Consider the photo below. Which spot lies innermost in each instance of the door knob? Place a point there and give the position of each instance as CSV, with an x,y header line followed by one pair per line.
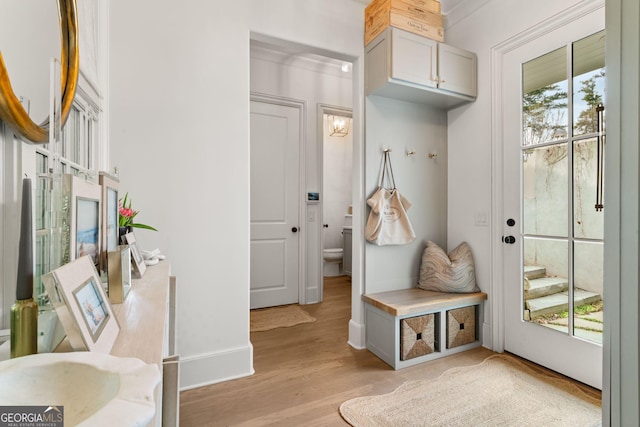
x,y
294,229
510,240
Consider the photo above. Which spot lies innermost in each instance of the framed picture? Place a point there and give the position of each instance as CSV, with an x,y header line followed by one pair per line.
x,y
109,187
83,308
87,228
137,260
119,274
83,219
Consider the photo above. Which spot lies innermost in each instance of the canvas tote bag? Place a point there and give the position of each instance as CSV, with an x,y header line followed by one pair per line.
x,y
388,223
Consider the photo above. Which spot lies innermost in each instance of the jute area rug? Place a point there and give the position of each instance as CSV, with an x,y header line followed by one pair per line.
x,y
278,317
501,391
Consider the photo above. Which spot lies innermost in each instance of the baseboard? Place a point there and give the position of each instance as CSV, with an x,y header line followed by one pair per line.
x,y
357,338
487,336
212,368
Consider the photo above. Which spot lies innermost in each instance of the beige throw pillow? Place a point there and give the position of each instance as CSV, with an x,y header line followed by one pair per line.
x,y
448,273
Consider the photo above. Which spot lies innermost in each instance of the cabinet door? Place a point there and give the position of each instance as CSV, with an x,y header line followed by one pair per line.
x,y
413,58
457,70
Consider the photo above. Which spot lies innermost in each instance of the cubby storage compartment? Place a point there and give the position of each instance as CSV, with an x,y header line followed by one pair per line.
x,y
418,336
461,326
411,326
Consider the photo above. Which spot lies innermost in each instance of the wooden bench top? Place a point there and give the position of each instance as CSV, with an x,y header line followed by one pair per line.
x,y
416,300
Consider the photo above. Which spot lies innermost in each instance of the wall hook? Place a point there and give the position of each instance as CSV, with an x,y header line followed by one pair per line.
x,y
411,153
433,155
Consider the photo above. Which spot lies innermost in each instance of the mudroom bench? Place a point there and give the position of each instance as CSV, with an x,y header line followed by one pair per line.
x,y
410,326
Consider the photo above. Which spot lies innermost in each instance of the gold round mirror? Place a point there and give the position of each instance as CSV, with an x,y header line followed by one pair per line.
x,y
13,113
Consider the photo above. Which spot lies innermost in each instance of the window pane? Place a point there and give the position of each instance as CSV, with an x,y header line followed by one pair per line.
x,y
42,163
545,192
588,82
544,107
588,290
588,223
546,296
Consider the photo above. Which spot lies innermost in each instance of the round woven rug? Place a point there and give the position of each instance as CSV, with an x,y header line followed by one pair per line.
x,y
501,391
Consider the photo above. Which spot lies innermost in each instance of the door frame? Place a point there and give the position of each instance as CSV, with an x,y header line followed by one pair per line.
x,y
302,109
323,109
498,53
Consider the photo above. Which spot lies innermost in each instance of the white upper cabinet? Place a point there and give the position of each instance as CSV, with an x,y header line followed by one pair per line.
x,y
407,66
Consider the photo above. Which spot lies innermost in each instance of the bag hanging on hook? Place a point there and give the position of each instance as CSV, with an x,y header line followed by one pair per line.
x,y
388,222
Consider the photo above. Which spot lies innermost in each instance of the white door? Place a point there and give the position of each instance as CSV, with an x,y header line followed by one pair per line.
x,y
275,193
552,232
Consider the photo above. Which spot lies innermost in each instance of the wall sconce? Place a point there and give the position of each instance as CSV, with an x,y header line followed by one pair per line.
x,y
338,125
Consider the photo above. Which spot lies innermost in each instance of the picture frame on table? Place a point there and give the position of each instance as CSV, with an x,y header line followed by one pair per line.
x,y
83,203
137,260
109,186
119,274
82,306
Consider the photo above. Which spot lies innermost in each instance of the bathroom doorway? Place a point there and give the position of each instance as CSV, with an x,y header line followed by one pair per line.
x,y
337,186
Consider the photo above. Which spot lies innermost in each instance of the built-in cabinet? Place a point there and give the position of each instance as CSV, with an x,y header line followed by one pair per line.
x,y
406,66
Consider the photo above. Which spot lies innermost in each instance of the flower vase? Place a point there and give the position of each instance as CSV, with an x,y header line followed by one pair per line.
x,y
121,232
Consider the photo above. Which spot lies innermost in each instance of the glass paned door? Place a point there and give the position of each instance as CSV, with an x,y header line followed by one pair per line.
x,y
562,227
552,135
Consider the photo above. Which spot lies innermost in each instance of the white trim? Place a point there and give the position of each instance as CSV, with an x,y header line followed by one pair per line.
x,y
497,141
357,336
357,324
212,368
555,22
5,266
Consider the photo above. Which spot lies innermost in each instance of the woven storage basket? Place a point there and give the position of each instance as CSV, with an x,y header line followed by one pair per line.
x,y
461,326
417,336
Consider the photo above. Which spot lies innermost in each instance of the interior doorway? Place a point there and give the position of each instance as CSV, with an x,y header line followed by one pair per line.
x,y
336,164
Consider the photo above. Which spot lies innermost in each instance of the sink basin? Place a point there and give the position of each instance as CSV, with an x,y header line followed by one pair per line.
x,y
95,389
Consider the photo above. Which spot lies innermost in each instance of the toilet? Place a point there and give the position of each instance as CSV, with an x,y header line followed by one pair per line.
x,y
332,260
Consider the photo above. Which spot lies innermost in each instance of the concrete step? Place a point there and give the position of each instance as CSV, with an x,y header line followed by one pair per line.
x,y
536,288
534,271
557,303
580,322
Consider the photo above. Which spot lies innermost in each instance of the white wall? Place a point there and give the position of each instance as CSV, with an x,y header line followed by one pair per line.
x,y
179,88
403,126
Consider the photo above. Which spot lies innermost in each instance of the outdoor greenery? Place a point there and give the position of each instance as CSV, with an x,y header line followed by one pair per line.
x,y
545,111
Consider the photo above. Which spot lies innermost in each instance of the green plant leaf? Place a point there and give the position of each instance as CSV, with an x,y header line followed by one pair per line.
x,y
143,226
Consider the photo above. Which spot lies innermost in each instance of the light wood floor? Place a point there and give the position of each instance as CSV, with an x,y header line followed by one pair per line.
x,y
305,372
